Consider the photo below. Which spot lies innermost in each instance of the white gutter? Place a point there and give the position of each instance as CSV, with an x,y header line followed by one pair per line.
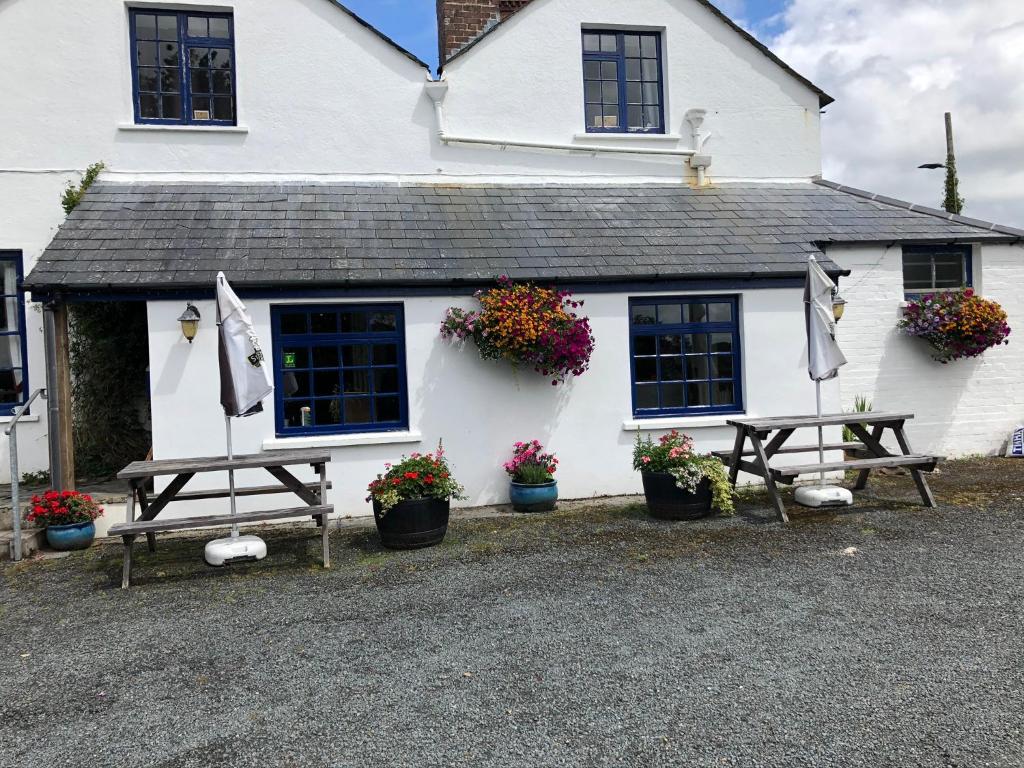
x,y
438,89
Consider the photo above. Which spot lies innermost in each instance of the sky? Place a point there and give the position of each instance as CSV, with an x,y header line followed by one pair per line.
x,y
894,67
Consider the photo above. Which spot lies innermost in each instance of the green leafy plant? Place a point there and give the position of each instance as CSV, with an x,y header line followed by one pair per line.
x,y
861,404
673,453
41,477
74,193
418,476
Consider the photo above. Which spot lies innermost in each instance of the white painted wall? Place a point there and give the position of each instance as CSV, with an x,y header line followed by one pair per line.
x,y
480,408
962,408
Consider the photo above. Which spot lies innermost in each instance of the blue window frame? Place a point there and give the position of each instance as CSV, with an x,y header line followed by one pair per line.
x,y
931,268
183,67
622,82
339,368
13,353
685,355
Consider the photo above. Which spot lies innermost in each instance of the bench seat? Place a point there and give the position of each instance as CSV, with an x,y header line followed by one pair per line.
x,y
853,446
920,462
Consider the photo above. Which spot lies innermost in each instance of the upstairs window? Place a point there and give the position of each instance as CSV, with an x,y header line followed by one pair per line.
x,y
622,81
183,67
339,368
927,269
13,375
685,356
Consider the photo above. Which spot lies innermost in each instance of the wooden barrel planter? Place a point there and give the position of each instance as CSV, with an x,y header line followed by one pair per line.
x,y
667,501
413,523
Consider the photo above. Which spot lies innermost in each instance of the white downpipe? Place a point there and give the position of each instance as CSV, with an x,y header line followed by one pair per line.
x,y
438,89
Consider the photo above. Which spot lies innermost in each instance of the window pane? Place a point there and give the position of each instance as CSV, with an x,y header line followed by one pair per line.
x,y
592,70
669,314
672,396
611,117
634,93
647,369
647,396
670,345
149,108
169,54
721,366
10,352
632,44
724,393
355,354
721,342
720,313
353,322
9,278
388,409
167,27
385,380
9,315
328,412
145,26
696,368
223,108
917,271
651,93
383,321
220,28
326,383
221,82
357,382
146,53
649,46
148,79
652,117
325,357
696,343
671,369
650,70
295,414
200,81
609,70
199,57
295,384
323,322
293,323
220,58
632,69
610,93
385,354
592,91
591,42
697,395
358,410
645,345
172,107
696,313
949,271
644,315
609,44
636,117
11,389
198,27
595,116
170,80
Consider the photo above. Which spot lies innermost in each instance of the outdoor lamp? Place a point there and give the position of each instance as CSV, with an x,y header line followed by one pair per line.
x,y
190,322
838,307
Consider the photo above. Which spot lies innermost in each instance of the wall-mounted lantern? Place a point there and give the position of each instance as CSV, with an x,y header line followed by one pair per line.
x,y
838,306
190,322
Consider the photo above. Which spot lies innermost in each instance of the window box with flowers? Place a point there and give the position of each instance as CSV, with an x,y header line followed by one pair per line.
x,y
533,487
957,324
679,483
412,500
68,517
526,325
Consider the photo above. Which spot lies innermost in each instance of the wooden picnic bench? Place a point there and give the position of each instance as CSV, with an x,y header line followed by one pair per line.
x,y
764,446
140,473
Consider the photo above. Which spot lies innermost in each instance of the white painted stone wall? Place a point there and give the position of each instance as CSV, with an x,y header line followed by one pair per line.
x,y
480,408
962,408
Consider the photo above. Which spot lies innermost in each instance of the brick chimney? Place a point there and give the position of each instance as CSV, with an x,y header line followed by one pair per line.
x,y
460,22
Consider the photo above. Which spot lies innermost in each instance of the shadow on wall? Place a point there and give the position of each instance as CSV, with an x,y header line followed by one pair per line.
x,y
484,406
910,380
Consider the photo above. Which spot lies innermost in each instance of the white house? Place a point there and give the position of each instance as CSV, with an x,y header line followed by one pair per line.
x,y
650,156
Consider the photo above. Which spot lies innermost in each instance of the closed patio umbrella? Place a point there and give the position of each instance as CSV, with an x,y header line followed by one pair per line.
x,y
824,359
244,382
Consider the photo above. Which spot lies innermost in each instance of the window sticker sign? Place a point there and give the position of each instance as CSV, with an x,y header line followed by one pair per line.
x,y
289,359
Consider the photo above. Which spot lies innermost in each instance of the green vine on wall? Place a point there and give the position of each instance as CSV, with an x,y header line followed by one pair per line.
x,y
73,194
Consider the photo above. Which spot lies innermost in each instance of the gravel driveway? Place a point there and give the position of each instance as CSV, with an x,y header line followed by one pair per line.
x,y
591,637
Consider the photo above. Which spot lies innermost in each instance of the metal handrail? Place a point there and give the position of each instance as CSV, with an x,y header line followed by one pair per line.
x,y
12,432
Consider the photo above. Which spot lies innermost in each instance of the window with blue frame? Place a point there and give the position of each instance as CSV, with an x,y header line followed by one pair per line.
x,y
685,356
183,67
13,371
930,268
622,82
339,368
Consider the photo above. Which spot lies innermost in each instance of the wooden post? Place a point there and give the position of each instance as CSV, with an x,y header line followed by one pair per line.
x,y
950,152
58,390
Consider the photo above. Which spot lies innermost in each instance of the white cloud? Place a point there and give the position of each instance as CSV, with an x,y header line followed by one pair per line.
x,y
894,67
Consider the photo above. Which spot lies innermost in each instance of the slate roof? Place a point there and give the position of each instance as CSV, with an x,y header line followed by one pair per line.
x,y
135,236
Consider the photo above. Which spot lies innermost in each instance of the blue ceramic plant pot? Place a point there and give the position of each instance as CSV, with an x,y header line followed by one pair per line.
x,y
64,538
533,498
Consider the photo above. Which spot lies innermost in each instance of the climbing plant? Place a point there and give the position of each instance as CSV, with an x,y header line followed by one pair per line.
x,y
74,193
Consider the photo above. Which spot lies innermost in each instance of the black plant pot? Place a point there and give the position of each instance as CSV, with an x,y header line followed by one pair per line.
x,y
413,523
667,501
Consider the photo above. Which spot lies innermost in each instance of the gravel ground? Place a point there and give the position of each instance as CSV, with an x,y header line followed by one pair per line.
x,y
591,637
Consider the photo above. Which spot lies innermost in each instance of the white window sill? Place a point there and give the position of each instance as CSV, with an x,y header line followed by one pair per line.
x,y
23,420
148,127
628,137
680,422
341,441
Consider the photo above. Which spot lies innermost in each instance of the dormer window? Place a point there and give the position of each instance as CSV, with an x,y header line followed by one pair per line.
x,y
183,67
622,81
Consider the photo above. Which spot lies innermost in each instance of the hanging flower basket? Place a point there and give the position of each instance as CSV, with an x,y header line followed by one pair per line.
x,y
957,324
526,325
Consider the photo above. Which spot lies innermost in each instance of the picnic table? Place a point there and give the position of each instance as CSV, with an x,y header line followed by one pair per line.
x,y
140,473
765,445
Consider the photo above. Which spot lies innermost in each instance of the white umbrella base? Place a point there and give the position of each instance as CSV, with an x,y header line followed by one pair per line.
x,y
234,550
823,496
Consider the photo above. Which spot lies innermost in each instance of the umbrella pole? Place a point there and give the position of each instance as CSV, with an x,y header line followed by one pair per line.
x,y
821,436
231,476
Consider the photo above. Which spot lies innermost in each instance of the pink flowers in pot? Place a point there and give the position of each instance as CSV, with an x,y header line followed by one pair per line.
x,y
530,465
